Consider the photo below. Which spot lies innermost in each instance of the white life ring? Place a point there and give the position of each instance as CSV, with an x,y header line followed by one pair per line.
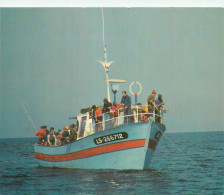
x,y
140,86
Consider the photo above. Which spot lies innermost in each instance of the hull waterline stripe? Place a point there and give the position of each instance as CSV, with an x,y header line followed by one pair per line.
x,y
92,151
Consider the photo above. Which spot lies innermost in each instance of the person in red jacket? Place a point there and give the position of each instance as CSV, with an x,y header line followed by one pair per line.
x,y
59,133
98,119
115,107
98,114
41,133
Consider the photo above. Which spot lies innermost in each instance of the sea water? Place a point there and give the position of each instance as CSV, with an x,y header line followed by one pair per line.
x,y
184,163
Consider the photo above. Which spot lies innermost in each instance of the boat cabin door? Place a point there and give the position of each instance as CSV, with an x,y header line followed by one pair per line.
x,y
85,125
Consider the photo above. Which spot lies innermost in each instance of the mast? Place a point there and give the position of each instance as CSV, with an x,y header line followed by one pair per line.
x,y
104,63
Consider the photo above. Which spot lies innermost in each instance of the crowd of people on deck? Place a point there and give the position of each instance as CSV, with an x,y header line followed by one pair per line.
x,y
154,107
52,138
111,111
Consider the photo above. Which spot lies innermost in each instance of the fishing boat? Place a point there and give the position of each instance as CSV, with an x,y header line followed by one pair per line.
x,y
122,142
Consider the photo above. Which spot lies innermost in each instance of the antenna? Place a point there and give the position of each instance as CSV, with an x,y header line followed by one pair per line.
x,y
103,25
104,63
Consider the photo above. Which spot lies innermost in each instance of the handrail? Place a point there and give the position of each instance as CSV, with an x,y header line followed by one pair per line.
x,y
138,115
113,122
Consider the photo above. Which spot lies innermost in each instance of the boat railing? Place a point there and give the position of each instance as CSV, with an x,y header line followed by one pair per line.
x,y
112,120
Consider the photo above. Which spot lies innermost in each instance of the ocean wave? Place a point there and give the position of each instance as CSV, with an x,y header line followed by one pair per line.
x,y
15,176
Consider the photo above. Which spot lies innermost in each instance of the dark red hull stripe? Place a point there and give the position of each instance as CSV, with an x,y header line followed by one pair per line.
x,y
92,151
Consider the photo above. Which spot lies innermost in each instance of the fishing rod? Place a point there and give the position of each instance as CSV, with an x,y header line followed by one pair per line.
x,y
29,117
179,150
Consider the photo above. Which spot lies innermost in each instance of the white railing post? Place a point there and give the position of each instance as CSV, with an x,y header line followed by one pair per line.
x,y
103,122
118,117
137,115
154,119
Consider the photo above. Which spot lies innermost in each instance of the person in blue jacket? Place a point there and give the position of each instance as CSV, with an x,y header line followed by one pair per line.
x,y
126,102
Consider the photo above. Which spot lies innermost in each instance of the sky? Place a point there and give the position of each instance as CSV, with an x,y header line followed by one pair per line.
x,y
49,64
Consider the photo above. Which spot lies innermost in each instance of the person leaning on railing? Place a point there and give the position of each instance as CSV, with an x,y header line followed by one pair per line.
x,y
106,111
65,136
115,108
159,105
51,138
150,102
97,111
73,133
41,133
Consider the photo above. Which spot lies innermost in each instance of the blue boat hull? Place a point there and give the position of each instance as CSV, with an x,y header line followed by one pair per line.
x,y
125,147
